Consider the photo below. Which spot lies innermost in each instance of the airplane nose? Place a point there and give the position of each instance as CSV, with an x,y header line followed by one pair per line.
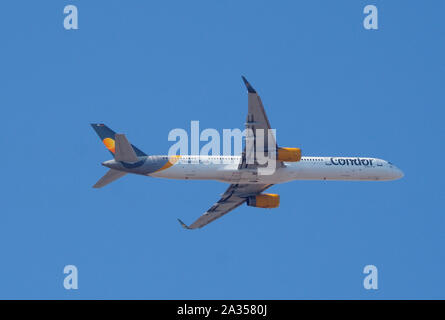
x,y
399,173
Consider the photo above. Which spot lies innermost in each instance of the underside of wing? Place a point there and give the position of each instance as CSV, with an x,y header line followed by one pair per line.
x,y
234,196
259,136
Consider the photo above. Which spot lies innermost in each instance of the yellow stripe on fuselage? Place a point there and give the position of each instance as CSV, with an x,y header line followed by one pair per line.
x,y
171,161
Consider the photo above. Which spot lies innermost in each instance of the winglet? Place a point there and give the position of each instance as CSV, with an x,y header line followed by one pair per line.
x,y
183,224
250,89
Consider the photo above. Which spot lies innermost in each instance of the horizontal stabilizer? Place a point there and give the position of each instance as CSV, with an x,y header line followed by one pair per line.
x,y
124,150
109,177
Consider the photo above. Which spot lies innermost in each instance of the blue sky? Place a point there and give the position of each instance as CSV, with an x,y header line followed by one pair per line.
x,y
143,67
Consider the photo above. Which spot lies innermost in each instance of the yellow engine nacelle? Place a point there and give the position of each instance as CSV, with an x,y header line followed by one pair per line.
x,y
289,154
265,200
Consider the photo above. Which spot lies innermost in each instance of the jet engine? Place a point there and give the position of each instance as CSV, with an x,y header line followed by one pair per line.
x,y
265,200
289,154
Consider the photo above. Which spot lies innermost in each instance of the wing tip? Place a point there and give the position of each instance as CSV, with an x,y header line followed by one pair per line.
x,y
250,89
183,224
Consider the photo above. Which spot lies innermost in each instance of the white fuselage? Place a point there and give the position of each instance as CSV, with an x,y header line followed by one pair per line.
x,y
225,168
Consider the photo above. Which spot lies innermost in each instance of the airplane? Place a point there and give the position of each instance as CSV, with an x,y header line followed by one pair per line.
x,y
246,184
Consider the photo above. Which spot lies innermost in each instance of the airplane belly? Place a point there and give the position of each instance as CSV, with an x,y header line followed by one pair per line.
x,y
229,173
320,171
323,171
201,171
174,172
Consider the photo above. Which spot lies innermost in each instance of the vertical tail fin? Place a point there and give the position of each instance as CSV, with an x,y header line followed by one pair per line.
x,y
108,138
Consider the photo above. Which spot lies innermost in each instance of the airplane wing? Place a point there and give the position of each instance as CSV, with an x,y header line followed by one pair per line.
x,y
237,194
256,119
234,196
